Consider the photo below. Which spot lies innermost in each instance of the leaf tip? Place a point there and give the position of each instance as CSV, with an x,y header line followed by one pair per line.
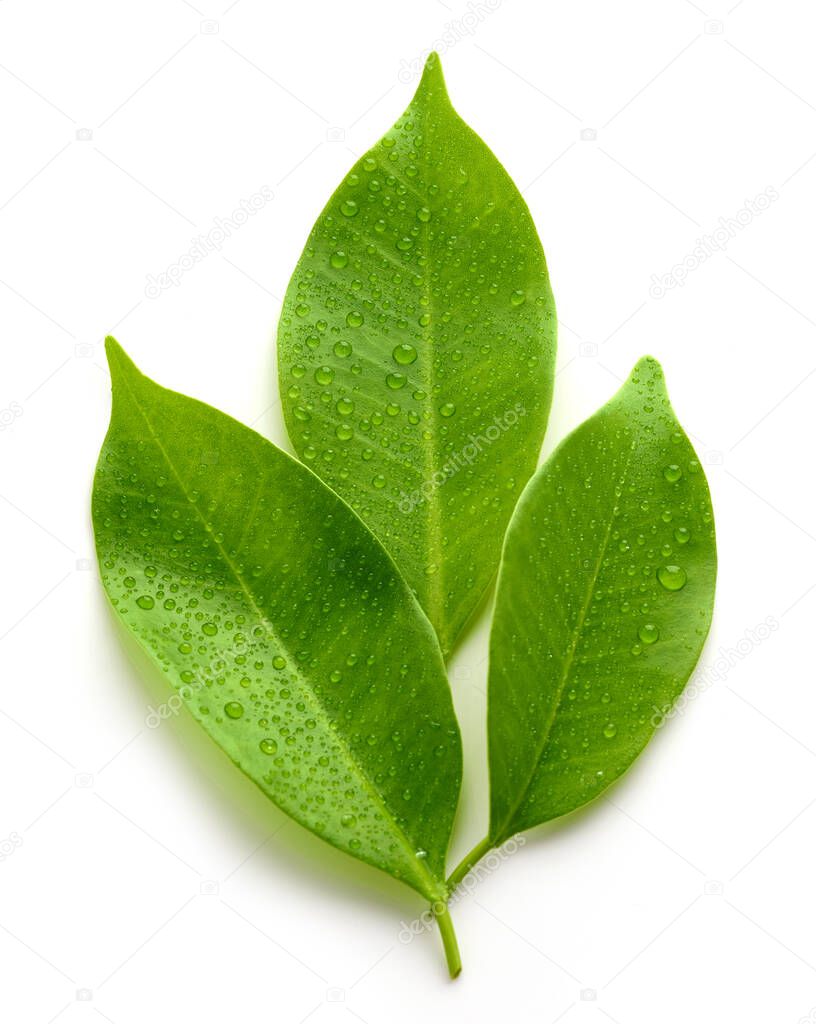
x,y
647,370
119,362
432,83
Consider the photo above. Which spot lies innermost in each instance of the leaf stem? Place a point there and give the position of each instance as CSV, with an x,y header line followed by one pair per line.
x,y
469,861
443,919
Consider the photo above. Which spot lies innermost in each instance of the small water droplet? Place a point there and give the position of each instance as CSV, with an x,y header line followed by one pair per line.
x,y
447,410
324,375
517,297
233,709
145,601
682,535
648,633
610,730
349,208
268,746
672,473
339,259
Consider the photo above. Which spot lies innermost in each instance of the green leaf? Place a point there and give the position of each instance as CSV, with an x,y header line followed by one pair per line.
x,y
283,624
604,601
416,348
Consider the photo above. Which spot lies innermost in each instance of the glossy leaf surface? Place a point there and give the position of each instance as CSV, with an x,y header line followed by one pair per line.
x,y
282,623
604,601
416,349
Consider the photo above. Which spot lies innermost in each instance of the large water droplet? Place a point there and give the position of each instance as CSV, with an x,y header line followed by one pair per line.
x,y
342,349
672,577
404,354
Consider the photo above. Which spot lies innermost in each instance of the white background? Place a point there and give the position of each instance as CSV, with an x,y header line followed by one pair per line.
x,y
150,881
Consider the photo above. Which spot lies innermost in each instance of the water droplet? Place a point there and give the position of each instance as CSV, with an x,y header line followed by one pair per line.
x,y
672,473
349,208
648,633
268,746
145,601
682,535
610,730
209,629
423,214
672,577
517,297
342,349
278,662
339,259
348,821
354,318
395,381
379,481
404,354
324,375
345,406
448,409
232,709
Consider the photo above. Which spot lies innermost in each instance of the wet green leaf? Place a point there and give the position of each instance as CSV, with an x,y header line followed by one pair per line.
x,y
282,623
416,348
604,601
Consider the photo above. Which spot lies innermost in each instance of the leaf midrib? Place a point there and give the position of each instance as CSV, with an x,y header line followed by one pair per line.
x,y
499,833
423,875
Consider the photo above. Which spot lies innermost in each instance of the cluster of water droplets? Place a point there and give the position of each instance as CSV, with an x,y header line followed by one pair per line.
x,y
645,615
414,317
286,655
